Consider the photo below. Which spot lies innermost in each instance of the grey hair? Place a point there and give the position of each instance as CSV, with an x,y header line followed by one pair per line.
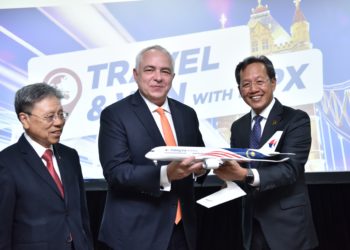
x,y
28,95
154,47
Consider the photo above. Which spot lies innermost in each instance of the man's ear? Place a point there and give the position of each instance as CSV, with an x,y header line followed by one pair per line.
x,y
135,75
273,83
23,118
239,91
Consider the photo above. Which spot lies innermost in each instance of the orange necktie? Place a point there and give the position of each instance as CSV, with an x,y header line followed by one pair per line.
x,y
169,141
47,156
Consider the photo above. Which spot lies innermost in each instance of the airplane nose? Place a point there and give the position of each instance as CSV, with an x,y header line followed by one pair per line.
x,y
148,155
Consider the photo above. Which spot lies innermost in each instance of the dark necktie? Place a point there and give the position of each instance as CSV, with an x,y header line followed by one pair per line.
x,y
256,132
169,141
254,142
255,137
47,156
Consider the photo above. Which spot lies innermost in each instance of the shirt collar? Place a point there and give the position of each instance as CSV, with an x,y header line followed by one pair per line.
x,y
153,107
265,113
39,149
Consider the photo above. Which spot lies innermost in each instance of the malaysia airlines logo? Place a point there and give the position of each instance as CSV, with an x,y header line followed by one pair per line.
x,y
273,143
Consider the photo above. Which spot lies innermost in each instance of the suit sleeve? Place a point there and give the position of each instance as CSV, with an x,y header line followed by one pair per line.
x,y
199,143
199,138
295,139
122,146
7,207
83,204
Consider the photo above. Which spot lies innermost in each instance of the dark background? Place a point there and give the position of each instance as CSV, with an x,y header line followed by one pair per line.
x,y
219,227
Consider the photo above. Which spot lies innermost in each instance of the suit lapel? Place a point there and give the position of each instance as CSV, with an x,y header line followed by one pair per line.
x,y
64,168
245,133
146,119
34,161
272,122
178,121
242,130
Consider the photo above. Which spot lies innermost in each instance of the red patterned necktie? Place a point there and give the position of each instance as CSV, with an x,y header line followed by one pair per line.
x,y
47,156
169,141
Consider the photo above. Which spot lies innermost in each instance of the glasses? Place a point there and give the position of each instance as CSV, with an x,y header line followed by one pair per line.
x,y
248,85
51,118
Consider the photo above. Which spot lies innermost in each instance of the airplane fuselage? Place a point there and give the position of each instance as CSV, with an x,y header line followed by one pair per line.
x,y
173,153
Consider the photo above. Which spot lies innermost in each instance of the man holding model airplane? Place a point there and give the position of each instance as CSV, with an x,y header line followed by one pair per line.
x,y
149,207
276,210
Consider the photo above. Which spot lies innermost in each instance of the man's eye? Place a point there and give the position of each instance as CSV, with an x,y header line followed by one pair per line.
x,y
50,117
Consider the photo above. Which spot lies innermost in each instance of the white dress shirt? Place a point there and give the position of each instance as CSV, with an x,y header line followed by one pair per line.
x,y
264,114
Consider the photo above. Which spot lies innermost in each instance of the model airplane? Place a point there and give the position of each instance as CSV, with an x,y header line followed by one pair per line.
x,y
214,157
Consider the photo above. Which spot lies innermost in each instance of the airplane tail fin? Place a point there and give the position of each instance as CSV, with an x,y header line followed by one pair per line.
x,y
270,146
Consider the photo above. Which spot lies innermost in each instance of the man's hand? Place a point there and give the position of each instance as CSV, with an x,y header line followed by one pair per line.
x,y
178,170
200,172
231,171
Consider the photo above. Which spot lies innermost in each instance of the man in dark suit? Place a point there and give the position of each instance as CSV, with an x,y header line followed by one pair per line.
x,y
39,209
142,198
276,211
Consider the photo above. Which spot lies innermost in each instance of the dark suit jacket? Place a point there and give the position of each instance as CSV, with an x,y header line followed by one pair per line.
x,y
137,214
281,204
33,215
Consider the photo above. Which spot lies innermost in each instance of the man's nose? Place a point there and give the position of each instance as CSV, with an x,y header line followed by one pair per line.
x,y
254,86
157,75
59,121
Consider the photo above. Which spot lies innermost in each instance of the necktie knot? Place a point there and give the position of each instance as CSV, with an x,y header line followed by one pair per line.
x,y
47,156
160,111
257,118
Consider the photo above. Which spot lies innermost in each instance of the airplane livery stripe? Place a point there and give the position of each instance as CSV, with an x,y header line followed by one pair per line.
x,y
223,154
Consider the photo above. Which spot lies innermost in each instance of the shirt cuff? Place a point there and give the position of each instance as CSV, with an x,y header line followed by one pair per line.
x,y
256,182
165,185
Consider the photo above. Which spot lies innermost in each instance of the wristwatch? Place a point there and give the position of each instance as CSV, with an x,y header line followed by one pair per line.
x,y
249,178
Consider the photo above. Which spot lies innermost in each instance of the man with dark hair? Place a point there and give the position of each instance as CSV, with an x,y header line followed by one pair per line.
x,y
276,211
42,196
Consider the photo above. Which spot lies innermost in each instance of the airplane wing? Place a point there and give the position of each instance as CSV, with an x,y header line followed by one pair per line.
x,y
266,160
278,153
212,163
238,154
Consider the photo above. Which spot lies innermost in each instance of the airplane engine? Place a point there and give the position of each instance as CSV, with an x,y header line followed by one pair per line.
x,y
212,163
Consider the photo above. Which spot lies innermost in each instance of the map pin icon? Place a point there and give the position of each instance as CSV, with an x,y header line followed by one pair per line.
x,y
68,82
